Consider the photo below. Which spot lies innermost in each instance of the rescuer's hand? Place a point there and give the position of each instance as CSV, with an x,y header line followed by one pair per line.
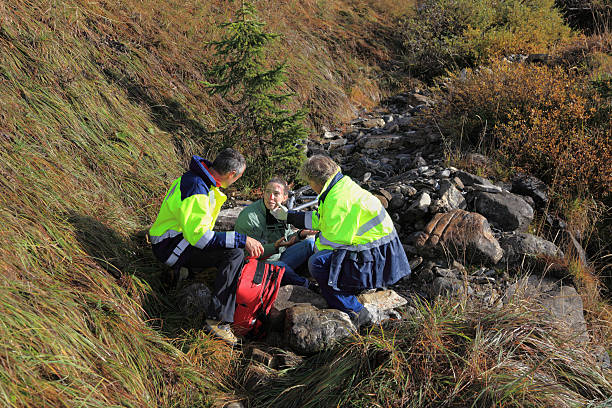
x,y
254,247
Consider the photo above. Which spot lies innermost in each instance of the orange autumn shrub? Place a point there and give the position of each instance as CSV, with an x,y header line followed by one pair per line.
x,y
546,121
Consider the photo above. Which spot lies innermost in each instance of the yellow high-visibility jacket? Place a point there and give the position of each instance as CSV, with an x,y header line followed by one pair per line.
x,y
354,224
188,214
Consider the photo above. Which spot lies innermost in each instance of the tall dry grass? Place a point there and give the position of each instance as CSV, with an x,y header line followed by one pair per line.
x,y
446,354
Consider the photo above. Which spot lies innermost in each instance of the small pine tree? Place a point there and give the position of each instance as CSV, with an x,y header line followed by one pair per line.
x,y
272,135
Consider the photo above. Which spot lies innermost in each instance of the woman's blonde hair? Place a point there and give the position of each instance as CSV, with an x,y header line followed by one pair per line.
x,y
319,169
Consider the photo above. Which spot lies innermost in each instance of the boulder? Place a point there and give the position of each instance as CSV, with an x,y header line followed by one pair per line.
x,y
336,143
562,302
450,198
527,250
373,123
466,236
469,179
532,187
486,188
505,211
383,300
227,219
378,316
379,142
309,330
291,295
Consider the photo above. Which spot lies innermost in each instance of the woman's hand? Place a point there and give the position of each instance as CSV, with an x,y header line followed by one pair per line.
x,y
283,242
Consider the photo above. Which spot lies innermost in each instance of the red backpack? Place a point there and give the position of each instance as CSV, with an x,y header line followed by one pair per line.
x,y
256,292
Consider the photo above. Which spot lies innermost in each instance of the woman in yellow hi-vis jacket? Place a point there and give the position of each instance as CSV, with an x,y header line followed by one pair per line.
x,y
358,247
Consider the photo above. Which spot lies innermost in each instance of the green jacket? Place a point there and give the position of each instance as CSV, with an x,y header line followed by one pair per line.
x,y
257,222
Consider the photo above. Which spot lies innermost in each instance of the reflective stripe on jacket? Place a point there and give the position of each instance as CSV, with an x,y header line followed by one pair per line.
x,y
188,214
355,225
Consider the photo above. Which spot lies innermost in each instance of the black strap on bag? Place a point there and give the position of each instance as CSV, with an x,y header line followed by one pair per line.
x,y
259,272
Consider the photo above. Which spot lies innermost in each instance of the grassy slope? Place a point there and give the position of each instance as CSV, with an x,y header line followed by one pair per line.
x,y
100,103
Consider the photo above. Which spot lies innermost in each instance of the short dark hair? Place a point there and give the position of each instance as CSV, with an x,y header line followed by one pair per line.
x,y
229,160
281,181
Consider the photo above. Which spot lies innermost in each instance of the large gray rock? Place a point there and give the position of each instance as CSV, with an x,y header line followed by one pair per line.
x,y
383,299
193,300
378,316
527,250
450,198
486,188
309,330
291,295
464,235
469,179
374,122
380,141
336,143
533,187
505,211
562,302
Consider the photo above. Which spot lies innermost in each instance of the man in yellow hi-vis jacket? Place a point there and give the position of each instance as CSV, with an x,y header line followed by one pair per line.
x,y
357,248
182,234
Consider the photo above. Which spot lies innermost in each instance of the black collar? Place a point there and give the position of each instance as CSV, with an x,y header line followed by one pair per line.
x,y
336,179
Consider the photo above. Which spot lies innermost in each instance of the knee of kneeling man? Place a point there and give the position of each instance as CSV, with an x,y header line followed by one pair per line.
x,y
235,253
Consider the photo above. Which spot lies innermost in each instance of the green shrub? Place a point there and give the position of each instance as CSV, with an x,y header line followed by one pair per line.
x,y
450,34
257,122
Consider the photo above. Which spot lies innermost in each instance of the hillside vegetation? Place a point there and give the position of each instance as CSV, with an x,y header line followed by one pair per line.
x,y
101,104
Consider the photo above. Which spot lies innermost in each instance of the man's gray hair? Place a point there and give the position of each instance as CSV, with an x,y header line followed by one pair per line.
x,y
319,169
229,160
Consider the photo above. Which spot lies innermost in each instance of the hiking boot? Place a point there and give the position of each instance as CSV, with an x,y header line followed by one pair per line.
x,y
221,330
362,318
